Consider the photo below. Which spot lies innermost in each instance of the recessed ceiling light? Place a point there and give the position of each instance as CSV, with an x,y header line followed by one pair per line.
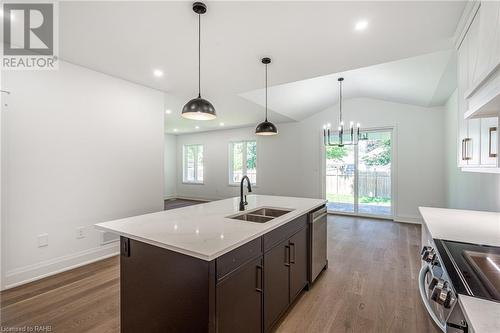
x,y
197,127
168,111
158,73
361,25
221,124
175,129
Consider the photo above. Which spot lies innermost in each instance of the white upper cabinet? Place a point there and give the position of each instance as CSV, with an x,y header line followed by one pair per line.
x,y
489,141
478,89
489,38
483,65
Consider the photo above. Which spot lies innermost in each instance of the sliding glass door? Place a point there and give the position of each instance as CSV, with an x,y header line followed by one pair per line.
x,y
359,178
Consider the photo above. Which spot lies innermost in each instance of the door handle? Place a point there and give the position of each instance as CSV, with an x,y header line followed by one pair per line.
x,y
287,255
421,287
490,153
467,156
258,282
463,149
292,261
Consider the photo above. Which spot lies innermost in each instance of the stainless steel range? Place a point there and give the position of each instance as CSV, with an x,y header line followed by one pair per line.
x,y
452,269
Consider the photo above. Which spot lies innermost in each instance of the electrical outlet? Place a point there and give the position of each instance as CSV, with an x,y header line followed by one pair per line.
x,y
43,240
80,232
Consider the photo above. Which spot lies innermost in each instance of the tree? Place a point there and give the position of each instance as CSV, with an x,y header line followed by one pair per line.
x,y
251,155
378,153
336,153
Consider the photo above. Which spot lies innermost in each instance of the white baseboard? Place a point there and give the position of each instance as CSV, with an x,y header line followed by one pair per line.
x,y
197,198
29,273
408,219
168,197
402,219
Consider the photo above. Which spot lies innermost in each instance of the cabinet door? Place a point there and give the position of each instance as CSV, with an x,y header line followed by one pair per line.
x,y
474,143
298,263
276,283
489,36
489,132
473,65
239,300
462,78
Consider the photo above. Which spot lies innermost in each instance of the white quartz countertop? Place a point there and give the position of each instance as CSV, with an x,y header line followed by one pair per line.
x,y
467,226
474,227
204,231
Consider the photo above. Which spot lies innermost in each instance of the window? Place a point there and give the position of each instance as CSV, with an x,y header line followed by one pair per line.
x,y
242,161
192,164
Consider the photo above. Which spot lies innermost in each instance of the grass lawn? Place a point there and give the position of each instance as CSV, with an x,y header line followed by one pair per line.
x,y
345,198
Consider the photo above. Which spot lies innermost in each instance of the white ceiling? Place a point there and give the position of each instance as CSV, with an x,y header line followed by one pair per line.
x,y
411,81
305,40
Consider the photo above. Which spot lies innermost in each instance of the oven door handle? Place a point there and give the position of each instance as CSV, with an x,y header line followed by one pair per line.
x,y
421,286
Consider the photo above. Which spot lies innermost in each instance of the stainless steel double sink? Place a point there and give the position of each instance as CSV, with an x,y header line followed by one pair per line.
x,y
261,214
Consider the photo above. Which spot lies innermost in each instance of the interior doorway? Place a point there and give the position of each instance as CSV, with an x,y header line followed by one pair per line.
x,y
359,178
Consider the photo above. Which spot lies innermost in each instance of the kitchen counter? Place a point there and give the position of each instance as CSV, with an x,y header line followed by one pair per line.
x,y
474,227
203,231
467,226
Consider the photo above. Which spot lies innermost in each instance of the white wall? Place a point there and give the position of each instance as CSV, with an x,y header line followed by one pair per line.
x,y
170,167
466,190
78,148
290,163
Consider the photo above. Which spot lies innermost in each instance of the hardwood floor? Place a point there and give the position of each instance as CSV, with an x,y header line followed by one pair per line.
x,y
371,283
370,286
178,203
85,299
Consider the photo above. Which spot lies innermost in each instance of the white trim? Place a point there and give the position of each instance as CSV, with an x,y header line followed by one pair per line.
x,y
399,219
198,198
244,161
482,170
408,219
470,10
394,172
195,162
29,273
170,197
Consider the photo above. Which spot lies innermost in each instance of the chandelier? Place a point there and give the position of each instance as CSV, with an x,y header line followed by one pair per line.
x,y
353,134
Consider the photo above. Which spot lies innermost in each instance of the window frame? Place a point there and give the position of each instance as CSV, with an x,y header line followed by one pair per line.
x,y
244,161
184,164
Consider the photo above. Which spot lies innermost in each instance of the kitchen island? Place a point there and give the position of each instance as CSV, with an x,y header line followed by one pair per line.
x,y
208,268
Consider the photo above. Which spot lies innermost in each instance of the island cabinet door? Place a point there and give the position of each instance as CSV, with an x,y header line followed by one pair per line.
x,y
276,283
298,263
239,300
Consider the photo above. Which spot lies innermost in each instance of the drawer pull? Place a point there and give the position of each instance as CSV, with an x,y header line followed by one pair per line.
x,y
258,278
490,142
287,255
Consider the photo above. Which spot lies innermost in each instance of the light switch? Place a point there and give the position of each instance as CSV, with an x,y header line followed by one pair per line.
x,y
43,240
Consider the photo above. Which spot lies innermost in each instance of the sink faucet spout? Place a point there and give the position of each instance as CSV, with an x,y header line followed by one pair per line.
x,y
243,199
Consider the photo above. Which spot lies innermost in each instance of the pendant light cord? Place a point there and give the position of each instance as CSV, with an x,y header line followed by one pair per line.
x,y
340,103
199,56
266,92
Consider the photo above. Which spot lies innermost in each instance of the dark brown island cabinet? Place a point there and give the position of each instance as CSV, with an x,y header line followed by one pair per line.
x,y
245,290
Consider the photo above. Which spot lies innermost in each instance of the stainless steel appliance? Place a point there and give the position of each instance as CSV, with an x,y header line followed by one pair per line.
x,y
451,269
318,239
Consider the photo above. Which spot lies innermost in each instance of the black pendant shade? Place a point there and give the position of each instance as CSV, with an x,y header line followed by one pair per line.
x,y
199,108
266,127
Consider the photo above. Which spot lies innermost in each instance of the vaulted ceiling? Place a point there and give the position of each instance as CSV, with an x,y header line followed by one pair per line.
x,y
306,40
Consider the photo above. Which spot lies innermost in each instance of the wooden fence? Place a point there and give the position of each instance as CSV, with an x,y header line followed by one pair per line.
x,y
371,184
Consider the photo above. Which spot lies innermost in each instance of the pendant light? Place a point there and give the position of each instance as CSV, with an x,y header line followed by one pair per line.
x,y
199,108
266,127
355,135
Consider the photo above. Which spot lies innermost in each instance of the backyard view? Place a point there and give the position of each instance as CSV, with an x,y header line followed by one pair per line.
x,y
370,193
